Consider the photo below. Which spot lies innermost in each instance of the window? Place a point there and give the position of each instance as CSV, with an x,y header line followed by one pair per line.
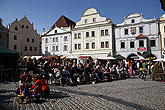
x,y
87,34
22,26
65,38
27,27
153,44
46,49
140,29
75,46
56,39
106,32
93,33
94,19
25,48
126,31
87,45
53,48
79,46
16,28
122,45
75,35
141,43
55,31
35,48
79,35
15,47
93,45
32,40
102,32
65,47
15,37
30,48
164,29
57,48
46,40
53,39
132,21
27,39
86,21
102,44
106,44
132,45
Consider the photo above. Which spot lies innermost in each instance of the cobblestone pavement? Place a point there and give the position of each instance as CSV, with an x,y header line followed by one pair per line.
x,y
129,94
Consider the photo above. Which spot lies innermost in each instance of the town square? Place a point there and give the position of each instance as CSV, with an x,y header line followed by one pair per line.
x,y
82,55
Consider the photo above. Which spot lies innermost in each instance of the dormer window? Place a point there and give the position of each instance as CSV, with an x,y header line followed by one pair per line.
x,y
16,28
132,21
86,21
55,31
94,19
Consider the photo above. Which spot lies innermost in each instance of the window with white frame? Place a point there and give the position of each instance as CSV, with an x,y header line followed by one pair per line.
x,y
93,45
86,21
125,31
55,31
87,34
153,43
102,32
46,40
56,39
53,48
93,33
75,46
122,45
65,38
94,19
132,45
57,49
102,44
46,49
141,43
106,44
79,35
75,35
87,45
106,31
140,29
65,48
79,46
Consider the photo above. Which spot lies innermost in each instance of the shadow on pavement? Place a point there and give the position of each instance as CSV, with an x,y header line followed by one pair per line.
x,y
116,100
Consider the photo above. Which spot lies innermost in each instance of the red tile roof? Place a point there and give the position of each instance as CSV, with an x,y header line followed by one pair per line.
x,y
63,22
141,36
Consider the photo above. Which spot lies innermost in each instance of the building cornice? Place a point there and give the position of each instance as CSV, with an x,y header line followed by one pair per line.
x,y
56,34
92,26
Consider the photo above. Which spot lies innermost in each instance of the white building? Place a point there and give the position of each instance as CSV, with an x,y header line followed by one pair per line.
x,y
162,34
57,40
92,36
137,37
23,38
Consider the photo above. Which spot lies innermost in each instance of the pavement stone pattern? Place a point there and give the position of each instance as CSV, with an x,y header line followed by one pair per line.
x,y
128,94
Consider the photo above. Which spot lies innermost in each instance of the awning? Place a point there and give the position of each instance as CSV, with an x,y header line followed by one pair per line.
x,y
85,57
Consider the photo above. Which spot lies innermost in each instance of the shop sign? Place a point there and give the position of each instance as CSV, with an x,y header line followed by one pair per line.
x,y
142,48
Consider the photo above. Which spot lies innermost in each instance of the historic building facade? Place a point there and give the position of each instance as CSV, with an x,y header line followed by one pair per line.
x,y
57,40
23,38
92,36
162,34
137,37
4,35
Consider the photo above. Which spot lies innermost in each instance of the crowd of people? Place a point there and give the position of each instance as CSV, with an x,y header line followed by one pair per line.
x,y
79,73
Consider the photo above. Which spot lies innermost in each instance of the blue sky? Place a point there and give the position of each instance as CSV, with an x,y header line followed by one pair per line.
x,y
44,13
